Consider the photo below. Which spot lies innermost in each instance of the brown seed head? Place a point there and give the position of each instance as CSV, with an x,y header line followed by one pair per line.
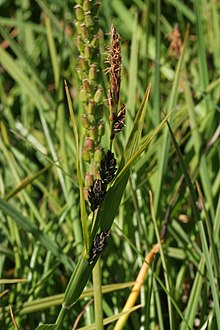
x,y
114,62
175,42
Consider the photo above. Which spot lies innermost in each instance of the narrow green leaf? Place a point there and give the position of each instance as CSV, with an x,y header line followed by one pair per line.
x,y
26,225
125,16
111,319
216,229
213,285
133,65
182,7
213,252
12,281
142,148
36,305
98,299
13,68
30,88
198,145
53,53
23,57
79,177
201,46
163,150
135,134
194,298
46,327
75,287
164,264
157,89
28,180
187,177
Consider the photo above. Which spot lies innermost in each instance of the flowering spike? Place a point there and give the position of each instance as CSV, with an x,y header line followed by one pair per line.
x,y
119,121
114,61
96,194
98,245
108,167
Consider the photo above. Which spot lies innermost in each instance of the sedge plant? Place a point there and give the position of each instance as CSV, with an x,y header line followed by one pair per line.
x,y
103,202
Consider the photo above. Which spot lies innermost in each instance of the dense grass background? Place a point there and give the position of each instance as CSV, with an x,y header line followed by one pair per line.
x,y
40,228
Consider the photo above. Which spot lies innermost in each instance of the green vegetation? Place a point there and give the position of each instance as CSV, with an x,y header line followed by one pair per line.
x,y
63,99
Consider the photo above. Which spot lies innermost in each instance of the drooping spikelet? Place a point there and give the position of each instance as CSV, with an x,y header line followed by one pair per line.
x,y
108,167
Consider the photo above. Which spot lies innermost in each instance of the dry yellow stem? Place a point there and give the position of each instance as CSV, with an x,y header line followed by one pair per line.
x,y
137,287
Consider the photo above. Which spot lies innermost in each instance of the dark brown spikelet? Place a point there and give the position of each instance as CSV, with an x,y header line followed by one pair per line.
x,y
98,245
114,62
108,167
119,121
96,194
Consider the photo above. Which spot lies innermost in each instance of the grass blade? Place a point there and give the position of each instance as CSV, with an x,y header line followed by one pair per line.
x,y
29,227
163,152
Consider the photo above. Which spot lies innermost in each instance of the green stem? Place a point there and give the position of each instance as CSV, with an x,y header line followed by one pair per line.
x,y
156,100
60,319
97,287
74,288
